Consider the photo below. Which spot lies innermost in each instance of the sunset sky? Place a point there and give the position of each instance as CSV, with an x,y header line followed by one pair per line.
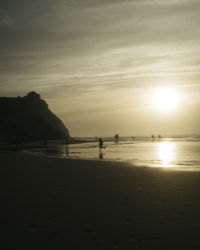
x,y
101,63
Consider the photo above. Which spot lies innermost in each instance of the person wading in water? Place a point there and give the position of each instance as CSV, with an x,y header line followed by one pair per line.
x,y
101,143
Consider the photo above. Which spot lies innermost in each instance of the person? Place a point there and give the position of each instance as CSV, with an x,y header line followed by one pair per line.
x,y
116,137
101,143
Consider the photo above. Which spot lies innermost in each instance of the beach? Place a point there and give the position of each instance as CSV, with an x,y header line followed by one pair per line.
x,y
54,203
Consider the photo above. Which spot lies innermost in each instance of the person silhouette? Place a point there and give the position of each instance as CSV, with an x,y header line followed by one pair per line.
x,y
116,137
101,143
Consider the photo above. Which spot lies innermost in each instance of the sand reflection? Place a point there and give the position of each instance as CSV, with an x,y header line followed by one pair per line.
x,y
166,153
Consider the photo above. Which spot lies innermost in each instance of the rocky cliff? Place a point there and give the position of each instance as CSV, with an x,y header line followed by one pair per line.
x,y
28,118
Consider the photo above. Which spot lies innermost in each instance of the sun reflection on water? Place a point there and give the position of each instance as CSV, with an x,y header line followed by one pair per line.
x,y
166,153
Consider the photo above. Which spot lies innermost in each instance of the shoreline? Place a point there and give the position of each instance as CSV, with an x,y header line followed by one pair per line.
x,y
97,160
54,203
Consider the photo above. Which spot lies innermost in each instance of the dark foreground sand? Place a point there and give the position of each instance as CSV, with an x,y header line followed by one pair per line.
x,y
50,203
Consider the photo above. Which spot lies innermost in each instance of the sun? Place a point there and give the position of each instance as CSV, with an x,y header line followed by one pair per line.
x,y
165,99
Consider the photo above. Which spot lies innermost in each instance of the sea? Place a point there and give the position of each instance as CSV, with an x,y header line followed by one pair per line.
x,y
168,152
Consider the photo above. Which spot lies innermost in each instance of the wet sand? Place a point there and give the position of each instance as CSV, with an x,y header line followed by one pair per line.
x,y
51,203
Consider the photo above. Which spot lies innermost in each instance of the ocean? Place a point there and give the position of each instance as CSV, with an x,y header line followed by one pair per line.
x,y
174,153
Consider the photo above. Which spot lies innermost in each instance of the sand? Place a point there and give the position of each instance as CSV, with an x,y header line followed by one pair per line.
x,y
51,203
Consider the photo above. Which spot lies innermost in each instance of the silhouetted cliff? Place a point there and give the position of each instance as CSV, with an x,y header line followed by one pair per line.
x,y
28,119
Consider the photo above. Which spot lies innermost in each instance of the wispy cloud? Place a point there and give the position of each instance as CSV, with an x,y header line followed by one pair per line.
x,y
66,48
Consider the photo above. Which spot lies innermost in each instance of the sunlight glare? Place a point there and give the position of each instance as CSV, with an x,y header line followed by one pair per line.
x,y
166,153
165,99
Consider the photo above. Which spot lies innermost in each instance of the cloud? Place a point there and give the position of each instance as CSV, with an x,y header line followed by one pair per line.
x,y
81,45
89,56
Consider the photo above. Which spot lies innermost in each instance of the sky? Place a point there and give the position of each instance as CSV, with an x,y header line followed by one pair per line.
x,y
98,63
